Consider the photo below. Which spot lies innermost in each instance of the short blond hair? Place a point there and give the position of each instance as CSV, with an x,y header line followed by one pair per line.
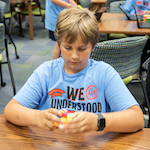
x,y
74,21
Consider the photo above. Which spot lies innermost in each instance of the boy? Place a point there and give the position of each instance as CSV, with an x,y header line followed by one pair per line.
x,y
93,90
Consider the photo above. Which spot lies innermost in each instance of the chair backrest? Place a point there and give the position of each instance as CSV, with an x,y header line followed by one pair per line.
x,y
108,4
123,54
2,36
7,7
114,6
2,7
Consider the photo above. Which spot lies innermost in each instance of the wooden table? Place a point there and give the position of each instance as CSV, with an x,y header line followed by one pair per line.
x,y
30,17
31,138
97,4
98,1
117,23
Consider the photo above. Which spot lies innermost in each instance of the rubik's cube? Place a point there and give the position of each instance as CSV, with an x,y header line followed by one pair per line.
x,y
66,116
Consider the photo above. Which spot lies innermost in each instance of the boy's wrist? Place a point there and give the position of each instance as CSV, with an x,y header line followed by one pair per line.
x,y
101,122
36,116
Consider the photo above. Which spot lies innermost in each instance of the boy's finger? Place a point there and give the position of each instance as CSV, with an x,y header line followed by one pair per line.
x,y
54,118
55,111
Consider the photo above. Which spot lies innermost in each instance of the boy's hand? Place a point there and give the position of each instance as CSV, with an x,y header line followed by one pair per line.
x,y
45,119
83,122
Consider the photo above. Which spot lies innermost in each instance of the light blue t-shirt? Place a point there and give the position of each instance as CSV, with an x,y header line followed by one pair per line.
x,y
51,14
97,88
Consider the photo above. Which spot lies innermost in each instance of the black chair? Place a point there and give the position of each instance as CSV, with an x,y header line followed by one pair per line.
x,y
3,46
3,20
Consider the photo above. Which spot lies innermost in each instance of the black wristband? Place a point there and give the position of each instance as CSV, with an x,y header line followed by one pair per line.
x,y
101,122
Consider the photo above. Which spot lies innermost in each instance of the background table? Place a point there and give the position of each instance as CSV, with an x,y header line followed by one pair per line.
x,y
98,1
20,138
97,4
117,23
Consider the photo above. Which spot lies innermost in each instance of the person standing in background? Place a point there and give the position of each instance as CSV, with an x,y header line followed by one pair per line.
x,y
53,8
18,7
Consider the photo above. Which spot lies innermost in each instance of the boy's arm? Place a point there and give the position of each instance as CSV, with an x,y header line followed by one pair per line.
x,y
129,120
18,114
63,4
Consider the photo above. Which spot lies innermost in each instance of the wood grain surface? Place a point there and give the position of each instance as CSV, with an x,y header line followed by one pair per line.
x,y
98,1
13,137
118,23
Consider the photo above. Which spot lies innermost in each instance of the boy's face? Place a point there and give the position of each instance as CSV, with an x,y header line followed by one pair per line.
x,y
75,55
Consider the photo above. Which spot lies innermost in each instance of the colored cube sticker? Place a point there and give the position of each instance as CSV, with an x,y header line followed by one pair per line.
x,y
66,116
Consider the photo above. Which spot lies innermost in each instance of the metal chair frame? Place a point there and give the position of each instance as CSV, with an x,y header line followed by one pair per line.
x,y
8,32
9,66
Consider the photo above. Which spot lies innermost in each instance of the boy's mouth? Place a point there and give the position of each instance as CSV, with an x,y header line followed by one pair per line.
x,y
74,62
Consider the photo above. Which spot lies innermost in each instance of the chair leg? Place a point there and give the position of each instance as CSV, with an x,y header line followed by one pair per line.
x,y
2,82
10,70
11,40
40,11
146,99
143,86
17,57
41,14
10,21
10,25
20,26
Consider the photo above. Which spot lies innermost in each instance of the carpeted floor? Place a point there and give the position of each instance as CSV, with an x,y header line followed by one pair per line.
x,y
31,52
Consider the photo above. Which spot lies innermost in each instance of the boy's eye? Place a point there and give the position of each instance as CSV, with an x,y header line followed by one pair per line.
x,y
67,47
82,49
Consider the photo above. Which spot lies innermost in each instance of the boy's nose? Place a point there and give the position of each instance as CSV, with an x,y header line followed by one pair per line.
x,y
74,54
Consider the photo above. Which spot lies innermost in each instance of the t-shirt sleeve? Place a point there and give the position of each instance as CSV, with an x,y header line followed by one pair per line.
x,y
117,94
32,91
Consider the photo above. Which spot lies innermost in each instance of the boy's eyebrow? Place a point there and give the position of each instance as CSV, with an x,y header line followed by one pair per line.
x,y
67,44
85,45
64,43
